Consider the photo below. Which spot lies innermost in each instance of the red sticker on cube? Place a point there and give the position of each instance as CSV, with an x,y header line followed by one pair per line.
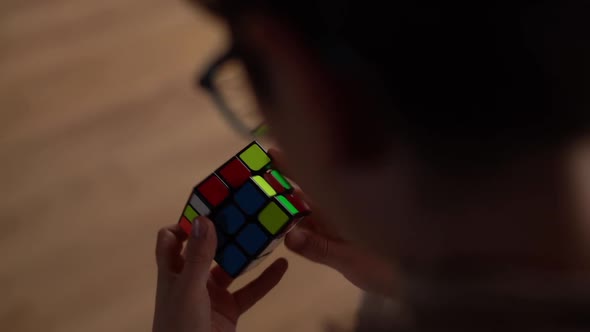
x,y
185,225
298,203
274,183
235,173
213,190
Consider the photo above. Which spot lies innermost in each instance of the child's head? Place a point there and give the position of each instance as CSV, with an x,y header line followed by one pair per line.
x,y
414,122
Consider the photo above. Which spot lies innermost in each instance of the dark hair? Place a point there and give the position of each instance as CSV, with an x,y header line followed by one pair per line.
x,y
497,73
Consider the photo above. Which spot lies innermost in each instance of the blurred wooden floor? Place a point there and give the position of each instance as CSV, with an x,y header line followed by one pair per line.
x,y
101,139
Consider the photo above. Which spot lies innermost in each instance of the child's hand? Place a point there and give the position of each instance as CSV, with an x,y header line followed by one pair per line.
x,y
314,241
192,298
364,270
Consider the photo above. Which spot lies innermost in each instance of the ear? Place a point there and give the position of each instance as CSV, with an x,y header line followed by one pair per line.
x,y
319,99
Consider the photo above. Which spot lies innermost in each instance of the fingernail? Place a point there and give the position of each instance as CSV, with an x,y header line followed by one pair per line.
x,y
297,238
195,230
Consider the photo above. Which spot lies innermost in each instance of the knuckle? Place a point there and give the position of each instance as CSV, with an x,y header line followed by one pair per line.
x,y
163,234
320,249
164,240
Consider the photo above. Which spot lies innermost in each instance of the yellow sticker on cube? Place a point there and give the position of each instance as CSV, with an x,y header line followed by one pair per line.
x,y
254,157
264,185
273,218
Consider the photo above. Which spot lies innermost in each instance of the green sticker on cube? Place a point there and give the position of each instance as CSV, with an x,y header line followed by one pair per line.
x,y
281,179
254,157
273,218
190,213
287,205
265,186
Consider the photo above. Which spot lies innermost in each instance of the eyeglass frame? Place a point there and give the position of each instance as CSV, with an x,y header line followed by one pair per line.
x,y
339,56
205,81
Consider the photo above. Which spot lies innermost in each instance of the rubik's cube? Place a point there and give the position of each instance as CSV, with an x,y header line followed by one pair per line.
x,y
251,205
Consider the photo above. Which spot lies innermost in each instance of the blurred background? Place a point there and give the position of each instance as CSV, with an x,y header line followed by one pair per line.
x,y
102,137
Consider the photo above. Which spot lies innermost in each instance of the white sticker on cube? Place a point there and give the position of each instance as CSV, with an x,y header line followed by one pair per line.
x,y
199,205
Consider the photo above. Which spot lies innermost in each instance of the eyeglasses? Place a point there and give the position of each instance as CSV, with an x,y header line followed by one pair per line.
x,y
227,81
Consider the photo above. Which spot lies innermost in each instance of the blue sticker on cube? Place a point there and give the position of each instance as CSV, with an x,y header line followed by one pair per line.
x,y
252,238
229,219
249,198
231,259
221,238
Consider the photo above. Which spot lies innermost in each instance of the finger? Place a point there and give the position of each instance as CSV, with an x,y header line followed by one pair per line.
x,y
318,248
297,191
220,277
310,224
315,223
200,251
169,248
278,159
169,245
168,259
254,291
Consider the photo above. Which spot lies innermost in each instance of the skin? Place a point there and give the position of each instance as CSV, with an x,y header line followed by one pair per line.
x,y
190,296
320,243
384,223
400,193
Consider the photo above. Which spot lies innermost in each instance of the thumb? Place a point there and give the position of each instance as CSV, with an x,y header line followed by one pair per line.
x,y
200,251
318,248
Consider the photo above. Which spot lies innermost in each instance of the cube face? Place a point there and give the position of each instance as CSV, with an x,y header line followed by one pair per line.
x,y
251,205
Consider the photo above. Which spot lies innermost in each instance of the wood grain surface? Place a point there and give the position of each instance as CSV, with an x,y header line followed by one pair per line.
x,y
101,138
